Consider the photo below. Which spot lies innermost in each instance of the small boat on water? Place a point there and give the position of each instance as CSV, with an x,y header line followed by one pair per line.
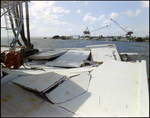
x,y
92,81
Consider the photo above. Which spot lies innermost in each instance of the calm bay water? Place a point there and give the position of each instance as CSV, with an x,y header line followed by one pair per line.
x,y
142,48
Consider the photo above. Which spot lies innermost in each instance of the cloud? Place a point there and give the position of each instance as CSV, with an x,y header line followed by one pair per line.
x,y
89,18
145,3
131,14
86,3
114,15
47,11
69,29
101,17
67,11
33,26
56,22
59,10
78,11
34,21
106,22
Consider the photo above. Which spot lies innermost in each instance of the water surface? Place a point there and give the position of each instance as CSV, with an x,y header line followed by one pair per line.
x,y
142,48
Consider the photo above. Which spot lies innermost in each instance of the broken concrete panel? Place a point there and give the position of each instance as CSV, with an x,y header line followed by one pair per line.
x,y
100,55
41,82
46,55
144,91
75,71
85,105
121,90
72,58
129,56
16,101
70,88
104,52
7,78
36,69
48,110
101,46
23,71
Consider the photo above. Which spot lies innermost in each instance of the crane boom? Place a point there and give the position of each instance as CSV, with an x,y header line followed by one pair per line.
x,y
100,28
119,25
128,32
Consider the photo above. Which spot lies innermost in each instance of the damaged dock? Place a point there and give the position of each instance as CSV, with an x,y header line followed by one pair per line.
x,y
90,81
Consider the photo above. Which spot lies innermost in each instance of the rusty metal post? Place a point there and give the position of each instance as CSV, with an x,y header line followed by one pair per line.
x,y
27,23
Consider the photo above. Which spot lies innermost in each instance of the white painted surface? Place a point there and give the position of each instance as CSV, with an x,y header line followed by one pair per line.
x,y
104,52
41,69
129,53
7,78
41,82
69,89
101,46
16,101
48,110
23,71
116,89
46,55
113,91
144,92
63,71
72,58
74,71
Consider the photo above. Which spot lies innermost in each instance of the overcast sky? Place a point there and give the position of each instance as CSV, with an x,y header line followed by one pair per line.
x,y
49,18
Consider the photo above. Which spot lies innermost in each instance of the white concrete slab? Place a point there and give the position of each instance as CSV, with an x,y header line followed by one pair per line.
x,y
70,89
113,91
48,110
63,71
16,101
144,92
129,56
23,71
101,55
41,82
75,71
104,52
101,46
7,78
39,69
46,55
72,58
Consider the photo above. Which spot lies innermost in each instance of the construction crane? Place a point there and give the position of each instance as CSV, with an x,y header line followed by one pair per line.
x,y
100,28
87,32
128,32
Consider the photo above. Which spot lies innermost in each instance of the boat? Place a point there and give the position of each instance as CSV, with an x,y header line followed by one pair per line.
x,y
72,82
